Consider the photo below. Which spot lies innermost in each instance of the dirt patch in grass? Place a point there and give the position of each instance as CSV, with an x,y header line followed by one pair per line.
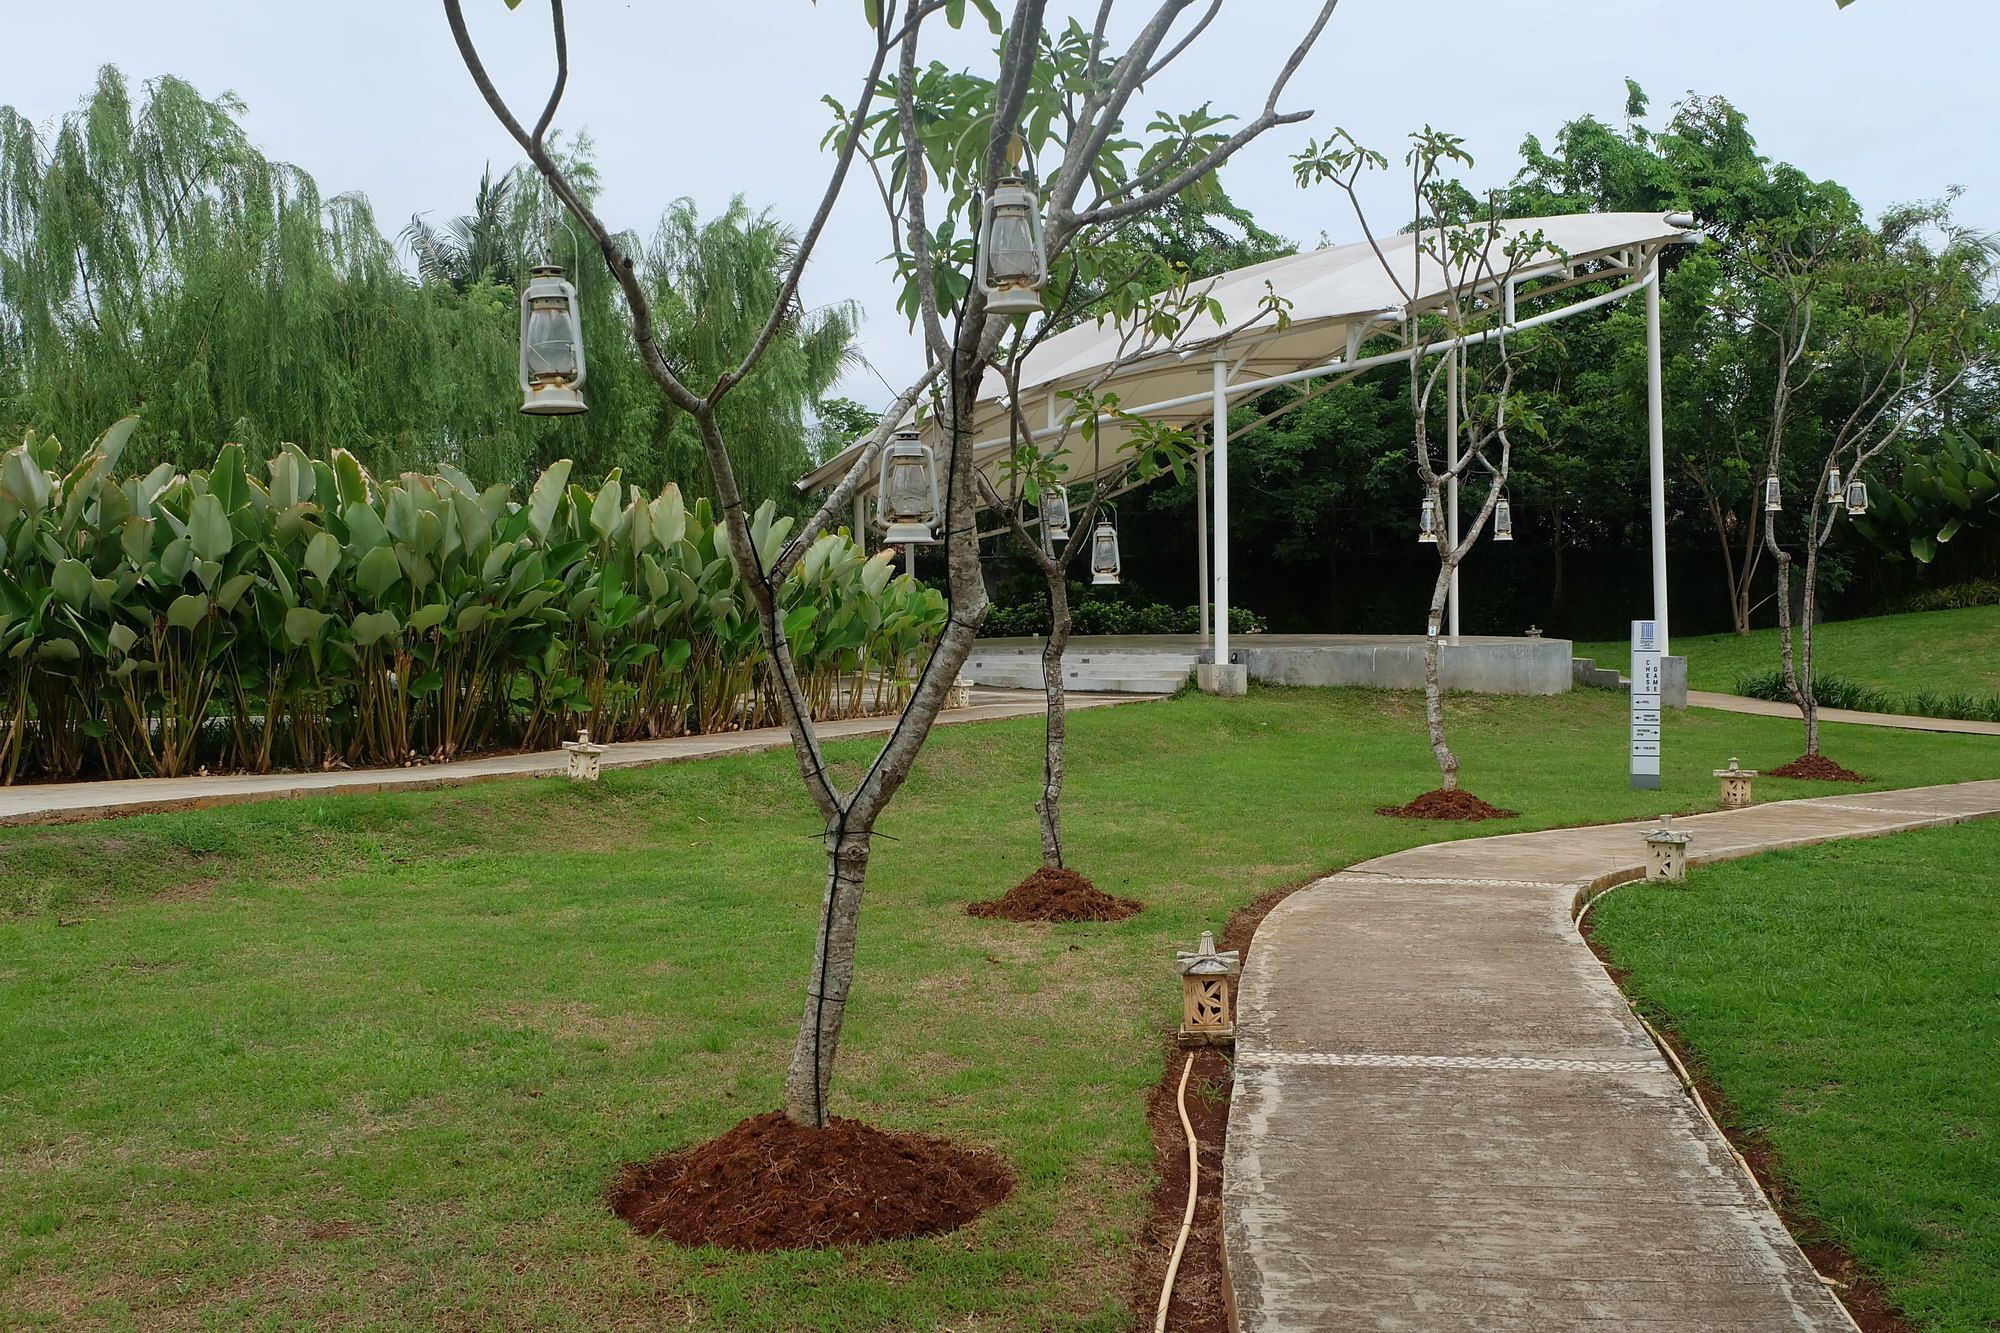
x,y
1055,895
1863,1295
1457,803
769,1184
1198,1300
1815,768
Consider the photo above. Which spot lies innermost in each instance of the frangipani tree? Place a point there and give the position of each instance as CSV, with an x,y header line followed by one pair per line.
x,y
1875,326
1156,306
1098,172
1457,284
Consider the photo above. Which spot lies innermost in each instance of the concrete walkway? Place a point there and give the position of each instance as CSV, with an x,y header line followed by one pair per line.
x,y
69,802
1447,1117
1736,703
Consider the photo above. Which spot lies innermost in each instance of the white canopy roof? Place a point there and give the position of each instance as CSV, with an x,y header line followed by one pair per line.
x,y
1337,297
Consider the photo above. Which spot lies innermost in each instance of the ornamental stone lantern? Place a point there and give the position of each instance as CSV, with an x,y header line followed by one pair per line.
x,y
585,758
960,693
1667,852
1208,993
1735,784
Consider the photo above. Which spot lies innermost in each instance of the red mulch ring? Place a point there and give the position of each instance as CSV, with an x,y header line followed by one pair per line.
x,y
1815,768
769,1184
1055,895
1441,804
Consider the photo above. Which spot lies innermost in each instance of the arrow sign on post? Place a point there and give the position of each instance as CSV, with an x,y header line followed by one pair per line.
x,y
1645,705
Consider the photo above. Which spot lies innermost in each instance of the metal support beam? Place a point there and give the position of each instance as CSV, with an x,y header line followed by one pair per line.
x,y
1656,432
1201,536
1451,500
1219,441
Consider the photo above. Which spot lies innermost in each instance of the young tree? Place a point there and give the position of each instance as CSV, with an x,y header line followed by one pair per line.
x,y
1880,324
1155,306
1101,176
1457,284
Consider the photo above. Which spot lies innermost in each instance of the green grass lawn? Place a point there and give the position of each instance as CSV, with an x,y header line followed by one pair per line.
x,y
1945,652
1846,999
373,1058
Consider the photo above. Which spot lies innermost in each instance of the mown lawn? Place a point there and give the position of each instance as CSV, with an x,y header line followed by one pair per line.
x,y
1846,999
373,1058
1944,652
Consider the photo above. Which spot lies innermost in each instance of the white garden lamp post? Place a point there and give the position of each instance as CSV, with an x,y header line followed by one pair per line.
x,y
551,346
1012,262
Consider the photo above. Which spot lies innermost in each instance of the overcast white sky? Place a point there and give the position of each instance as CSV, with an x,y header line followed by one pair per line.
x,y
1895,98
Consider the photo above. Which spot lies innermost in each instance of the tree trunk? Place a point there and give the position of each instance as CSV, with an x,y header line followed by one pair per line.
x,y
1552,615
1447,762
1808,699
851,825
1745,573
811,1069
1049,807
1800,691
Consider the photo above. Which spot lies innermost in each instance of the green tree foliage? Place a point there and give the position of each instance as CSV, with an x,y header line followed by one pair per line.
x,y
152,261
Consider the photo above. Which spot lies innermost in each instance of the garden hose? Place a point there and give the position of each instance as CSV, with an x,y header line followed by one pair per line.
x,y
1187,1219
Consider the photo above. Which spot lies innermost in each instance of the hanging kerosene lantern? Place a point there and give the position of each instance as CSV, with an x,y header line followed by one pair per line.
x,y
552,368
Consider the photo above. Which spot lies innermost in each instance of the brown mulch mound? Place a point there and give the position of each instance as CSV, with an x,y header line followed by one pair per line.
x,y
1441,804
1055,895
769,1184
1815,768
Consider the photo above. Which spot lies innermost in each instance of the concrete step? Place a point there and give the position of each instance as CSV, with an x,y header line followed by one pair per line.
x,y
1100,672
1586,672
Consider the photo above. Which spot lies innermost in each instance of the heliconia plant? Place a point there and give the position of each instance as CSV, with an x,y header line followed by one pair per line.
x,y
156,625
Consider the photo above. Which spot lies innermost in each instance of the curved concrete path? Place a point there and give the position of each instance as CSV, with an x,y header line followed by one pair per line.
x,y
1447,1117
70,802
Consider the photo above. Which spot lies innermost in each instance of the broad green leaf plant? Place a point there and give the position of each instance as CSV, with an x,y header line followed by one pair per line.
x,y
314,616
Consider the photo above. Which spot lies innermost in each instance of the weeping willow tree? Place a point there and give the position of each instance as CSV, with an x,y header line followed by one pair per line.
x,y
152,259
154,262
713,286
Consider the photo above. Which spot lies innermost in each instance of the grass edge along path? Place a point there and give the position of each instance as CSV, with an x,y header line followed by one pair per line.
x,y
1831,1001
376,1057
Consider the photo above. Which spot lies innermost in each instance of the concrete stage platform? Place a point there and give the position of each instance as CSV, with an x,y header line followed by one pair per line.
x,y
1159,663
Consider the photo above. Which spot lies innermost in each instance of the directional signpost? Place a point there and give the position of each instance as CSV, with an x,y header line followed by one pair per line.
x,y
1645,705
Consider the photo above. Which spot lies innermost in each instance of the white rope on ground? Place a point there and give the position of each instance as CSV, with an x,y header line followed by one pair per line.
x,y
1194,1185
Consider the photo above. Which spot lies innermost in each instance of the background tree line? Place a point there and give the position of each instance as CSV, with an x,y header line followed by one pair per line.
x,y
153,261
1325,496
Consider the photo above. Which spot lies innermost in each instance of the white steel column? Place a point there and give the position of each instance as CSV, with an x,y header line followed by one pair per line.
x,y
1451,460
1220,562
1656,430
1201,536
860,523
